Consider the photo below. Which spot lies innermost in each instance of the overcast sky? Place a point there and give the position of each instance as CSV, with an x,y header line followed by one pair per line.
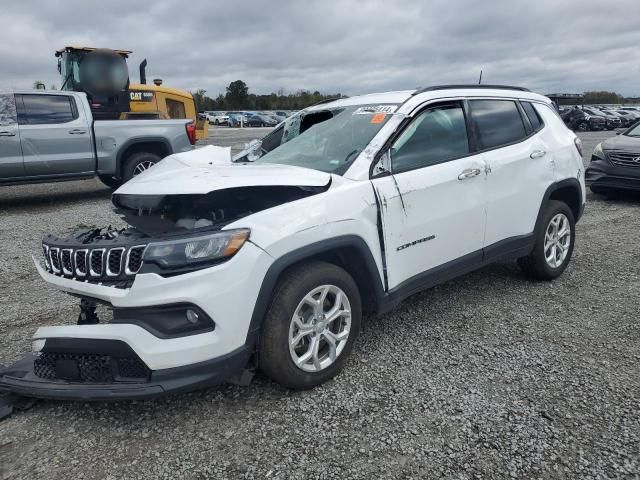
x,y
345,46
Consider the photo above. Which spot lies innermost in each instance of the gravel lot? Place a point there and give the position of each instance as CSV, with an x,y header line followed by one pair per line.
x,y
486,376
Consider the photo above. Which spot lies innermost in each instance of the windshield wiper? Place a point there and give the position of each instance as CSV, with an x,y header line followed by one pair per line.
x,y
351,154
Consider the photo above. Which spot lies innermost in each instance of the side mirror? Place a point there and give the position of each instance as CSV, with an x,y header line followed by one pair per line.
x,y
252,152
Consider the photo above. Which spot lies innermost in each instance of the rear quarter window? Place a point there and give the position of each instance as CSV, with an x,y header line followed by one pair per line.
x,y
532,115
498,122
8,114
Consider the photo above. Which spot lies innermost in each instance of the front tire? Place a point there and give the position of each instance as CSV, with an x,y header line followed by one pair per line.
x,y
110,181
311,325
583,127
554,243
138,163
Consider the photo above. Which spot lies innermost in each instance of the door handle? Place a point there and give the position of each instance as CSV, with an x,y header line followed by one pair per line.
x,y
538,154
77,131
469,173
7,134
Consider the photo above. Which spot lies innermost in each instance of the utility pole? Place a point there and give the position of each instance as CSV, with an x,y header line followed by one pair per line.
x,y
480,79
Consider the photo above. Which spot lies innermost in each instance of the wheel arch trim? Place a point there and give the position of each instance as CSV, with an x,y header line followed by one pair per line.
x,y
136,141
310,251
571,183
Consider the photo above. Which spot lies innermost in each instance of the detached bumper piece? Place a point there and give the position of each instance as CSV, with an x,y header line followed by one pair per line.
x,y
111,371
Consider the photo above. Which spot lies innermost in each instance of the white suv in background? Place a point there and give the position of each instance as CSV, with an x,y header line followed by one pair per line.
x,y
269,259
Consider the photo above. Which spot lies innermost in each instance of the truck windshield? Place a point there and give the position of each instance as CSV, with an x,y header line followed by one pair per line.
x,y
328,140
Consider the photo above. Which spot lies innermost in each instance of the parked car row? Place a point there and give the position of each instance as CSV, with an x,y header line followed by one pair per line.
x,y
246,118
595,118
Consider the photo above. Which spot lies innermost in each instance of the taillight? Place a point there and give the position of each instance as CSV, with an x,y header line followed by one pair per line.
x,y
191,132
578,144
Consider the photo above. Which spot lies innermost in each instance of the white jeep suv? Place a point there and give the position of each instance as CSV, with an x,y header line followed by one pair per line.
x,y
267,260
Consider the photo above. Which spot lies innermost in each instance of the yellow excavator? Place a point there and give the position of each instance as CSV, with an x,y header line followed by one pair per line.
x,y
104,76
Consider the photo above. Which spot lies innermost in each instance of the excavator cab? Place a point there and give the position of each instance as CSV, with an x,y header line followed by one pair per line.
x,y
103,75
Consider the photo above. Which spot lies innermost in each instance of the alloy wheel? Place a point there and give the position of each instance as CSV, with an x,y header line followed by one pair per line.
x,y
319,329
557,240
142,166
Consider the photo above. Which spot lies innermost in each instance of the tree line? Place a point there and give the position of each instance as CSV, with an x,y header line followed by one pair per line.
x,y
237,97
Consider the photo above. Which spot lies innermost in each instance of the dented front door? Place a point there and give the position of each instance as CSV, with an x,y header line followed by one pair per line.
x,y
433,217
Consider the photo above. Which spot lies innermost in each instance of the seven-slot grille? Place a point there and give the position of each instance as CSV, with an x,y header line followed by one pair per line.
x,y
115,265
624,159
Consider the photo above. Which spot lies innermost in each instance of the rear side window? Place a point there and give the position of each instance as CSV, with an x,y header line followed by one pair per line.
x,y
46,109
435,136
8,115
498,122
532,115
175,109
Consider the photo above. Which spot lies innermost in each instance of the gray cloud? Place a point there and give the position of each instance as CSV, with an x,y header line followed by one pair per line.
x,y
347,46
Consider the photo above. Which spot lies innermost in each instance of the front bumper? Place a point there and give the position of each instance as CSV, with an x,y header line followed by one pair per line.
x,y
20,379
602,174
227,294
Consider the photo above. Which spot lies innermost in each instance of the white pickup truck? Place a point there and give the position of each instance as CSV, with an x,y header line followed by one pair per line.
x,y
52,136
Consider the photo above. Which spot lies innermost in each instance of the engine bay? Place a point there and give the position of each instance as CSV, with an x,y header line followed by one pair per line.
x,y
174,214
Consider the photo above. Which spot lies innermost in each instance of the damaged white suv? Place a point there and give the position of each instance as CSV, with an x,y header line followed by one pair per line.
x,y
268,260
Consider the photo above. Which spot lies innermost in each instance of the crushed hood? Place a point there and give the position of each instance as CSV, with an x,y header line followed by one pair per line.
x,y
208,169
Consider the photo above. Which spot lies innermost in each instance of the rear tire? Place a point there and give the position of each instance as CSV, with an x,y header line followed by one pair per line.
x,y
137,163
110,181
295,314
598,190
553,247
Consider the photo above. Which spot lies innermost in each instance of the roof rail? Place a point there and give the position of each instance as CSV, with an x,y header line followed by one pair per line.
x,y
451,87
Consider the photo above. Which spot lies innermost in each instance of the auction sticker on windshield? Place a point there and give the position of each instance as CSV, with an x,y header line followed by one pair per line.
x,y
373,109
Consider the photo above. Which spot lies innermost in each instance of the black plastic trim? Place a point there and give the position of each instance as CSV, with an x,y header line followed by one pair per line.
x,y
473,86
273,273
568,182
506,249
151,318
20,379
96,346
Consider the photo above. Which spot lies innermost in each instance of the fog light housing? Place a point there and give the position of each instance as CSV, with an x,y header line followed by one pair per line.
x,y
167,321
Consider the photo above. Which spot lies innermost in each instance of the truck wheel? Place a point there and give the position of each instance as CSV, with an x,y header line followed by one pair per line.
x,y
311,325
110,181
138,163
553,243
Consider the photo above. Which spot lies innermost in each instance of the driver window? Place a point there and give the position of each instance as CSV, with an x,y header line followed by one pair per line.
x,y
435,136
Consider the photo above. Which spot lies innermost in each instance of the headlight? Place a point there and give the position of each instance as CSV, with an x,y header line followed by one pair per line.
x,y
196,250
587,117
597,152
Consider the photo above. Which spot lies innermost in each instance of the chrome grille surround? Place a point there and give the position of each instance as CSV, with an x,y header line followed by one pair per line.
x,y
93,255
80,265
45,252
117,252
624,159
54,257
66,261
115,265
136,251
